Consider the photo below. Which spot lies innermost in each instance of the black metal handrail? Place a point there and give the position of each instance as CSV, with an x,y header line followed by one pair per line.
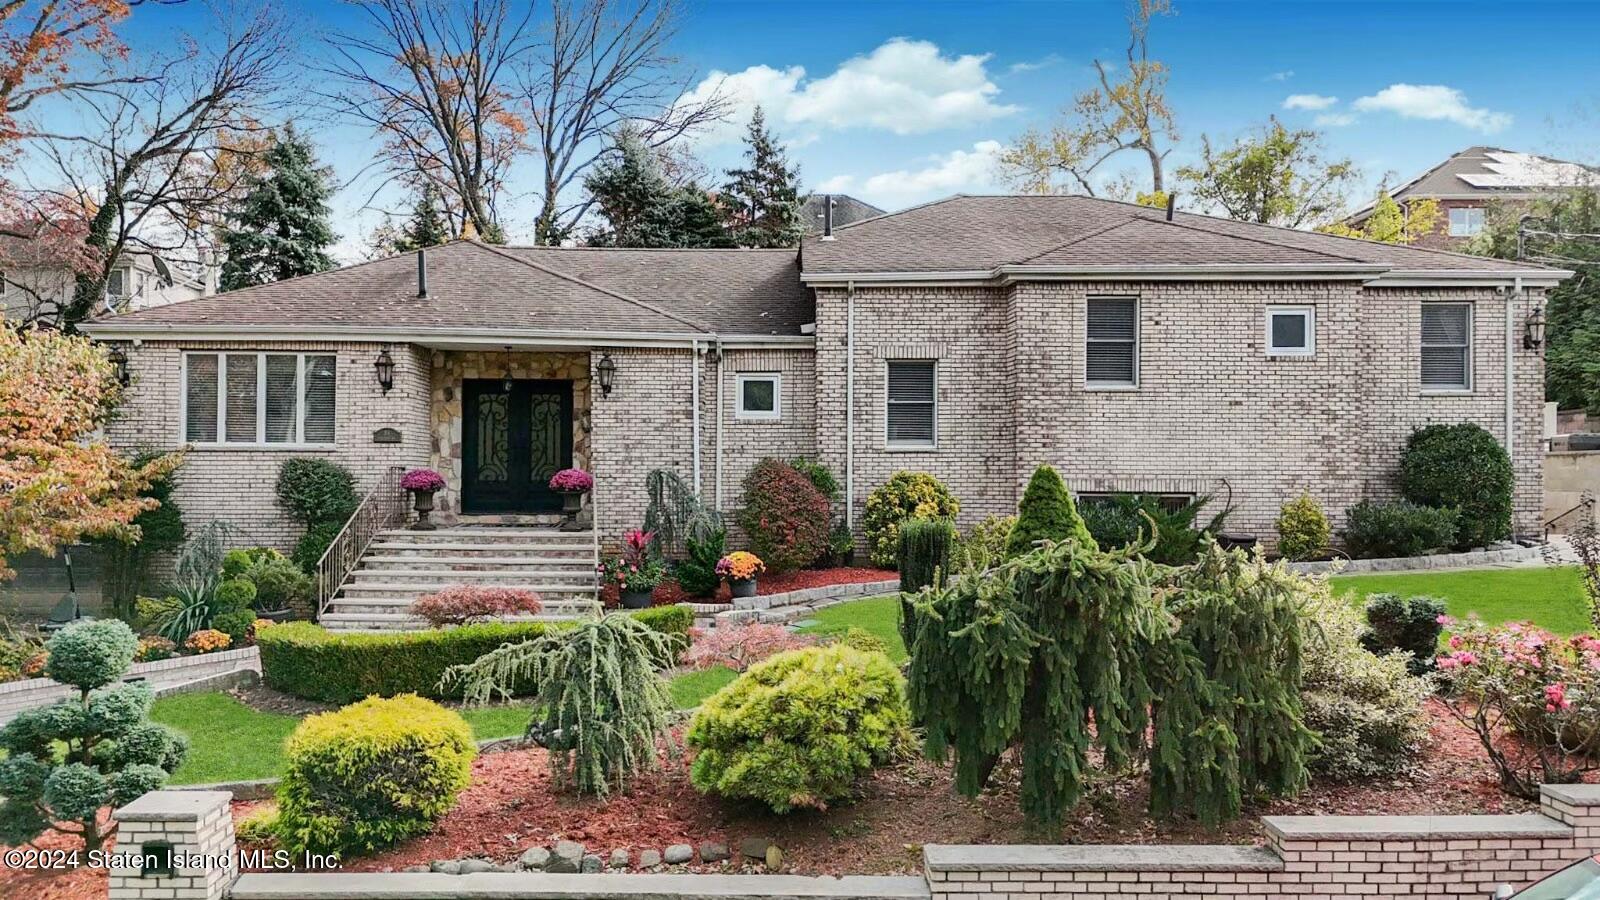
x,y
383,508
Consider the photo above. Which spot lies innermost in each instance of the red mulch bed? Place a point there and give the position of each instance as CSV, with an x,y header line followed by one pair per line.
x,y
669,592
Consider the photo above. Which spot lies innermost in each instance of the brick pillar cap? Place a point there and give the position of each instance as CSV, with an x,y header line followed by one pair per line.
x,y
173,806
1572,794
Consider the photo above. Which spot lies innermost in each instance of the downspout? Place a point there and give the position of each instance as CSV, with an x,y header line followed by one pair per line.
x,y
1511,382
850,404
720,391
694,400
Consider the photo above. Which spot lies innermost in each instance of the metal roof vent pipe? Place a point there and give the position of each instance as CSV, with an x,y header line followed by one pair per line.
x,y
827,217
422,274
1172,204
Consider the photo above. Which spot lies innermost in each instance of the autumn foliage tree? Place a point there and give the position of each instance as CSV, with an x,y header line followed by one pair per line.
x,y
57,484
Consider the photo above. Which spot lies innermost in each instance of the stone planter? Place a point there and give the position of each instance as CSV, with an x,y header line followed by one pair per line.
x,y
571,505
422,502
637,599
744,587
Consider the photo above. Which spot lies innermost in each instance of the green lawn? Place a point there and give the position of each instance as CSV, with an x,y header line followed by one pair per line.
x,y
692,688
1549,597
879,615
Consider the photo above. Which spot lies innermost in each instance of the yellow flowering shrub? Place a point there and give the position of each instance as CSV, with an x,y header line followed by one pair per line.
x,y
906,495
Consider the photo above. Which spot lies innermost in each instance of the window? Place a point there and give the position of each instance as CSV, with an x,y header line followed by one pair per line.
x,y
1447,346
1171,503
259,399
118,283
1111,351
911,415
1291,330
1466,221
760,397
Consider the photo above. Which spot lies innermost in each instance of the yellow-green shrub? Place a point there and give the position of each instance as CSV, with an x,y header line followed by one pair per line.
x,y
906,495
1302,528
796,730
372,774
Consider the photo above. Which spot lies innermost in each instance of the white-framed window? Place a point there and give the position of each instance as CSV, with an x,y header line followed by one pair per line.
x,y
1291,330
760,397
911,417
1111,342
259,399
1447,346
1466,221
119,283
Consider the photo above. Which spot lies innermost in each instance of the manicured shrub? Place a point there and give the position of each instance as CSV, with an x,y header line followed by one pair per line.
x,y
841,544
237,624
234,595
150,612
1046,513
739,647
1465,468
984,545
63,762
784,516
924,558
1126,519
906,495
280,584
797,730
697,571
1532,698
602,706
1302,528
861,639
474,603
371,775
666,619
1367,711
1382,529
1411,625
313,663
314,491
314,543
819,475
236,561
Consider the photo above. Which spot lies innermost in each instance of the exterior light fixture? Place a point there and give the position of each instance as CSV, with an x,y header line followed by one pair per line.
x,y
606,368
1533,329
507,383
119,361
385,369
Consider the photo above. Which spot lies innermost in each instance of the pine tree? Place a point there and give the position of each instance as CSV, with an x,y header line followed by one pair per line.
x,y
1047,513
642,207
426,227
764,197
281,228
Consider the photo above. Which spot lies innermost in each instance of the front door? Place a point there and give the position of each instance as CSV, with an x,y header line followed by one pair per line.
x,y
512,442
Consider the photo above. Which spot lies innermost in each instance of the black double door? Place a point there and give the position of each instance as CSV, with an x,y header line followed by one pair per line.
x,y
512,441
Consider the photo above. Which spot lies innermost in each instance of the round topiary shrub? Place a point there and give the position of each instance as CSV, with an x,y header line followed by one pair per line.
x,y
1465,468
315,490
1047,513
798,729
372,774
906,495
91,654
784,515
1302,528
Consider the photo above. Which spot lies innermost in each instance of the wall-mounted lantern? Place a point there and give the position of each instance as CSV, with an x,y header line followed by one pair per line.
x,y
119,361
384,366
1533,329
606,368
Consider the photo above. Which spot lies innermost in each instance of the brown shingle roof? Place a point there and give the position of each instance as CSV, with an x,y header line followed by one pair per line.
x,y
965,233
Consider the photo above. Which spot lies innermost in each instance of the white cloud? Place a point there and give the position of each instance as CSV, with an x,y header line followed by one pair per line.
x,y
1433,102
1334,120
955,172
838,184
1308,101
1285,75
1049,59
903,86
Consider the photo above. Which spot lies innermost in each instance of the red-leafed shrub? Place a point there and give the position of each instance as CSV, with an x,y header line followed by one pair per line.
x,y
784,515
739,646
474,602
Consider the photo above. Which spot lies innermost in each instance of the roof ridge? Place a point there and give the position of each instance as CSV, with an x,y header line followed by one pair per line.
x,y
648,249
1257,240
1082,237
588,284
952,197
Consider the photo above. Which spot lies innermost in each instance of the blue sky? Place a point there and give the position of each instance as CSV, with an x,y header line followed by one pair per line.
x,y
903,102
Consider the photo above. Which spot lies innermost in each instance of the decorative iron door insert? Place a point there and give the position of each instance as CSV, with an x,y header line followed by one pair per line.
x,y
512,442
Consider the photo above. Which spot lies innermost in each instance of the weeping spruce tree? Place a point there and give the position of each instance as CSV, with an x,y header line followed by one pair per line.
x,y
1194,672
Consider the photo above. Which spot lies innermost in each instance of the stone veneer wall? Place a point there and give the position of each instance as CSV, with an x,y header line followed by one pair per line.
x,y
450,368
1212,414
237,484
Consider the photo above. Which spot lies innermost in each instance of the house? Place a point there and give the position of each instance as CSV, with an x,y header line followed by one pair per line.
x,y
1466,183
847,210
139,280
973,338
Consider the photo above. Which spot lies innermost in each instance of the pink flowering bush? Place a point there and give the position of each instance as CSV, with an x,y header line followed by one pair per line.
x,y
571,480
466,603
1532,697
739,646
425,480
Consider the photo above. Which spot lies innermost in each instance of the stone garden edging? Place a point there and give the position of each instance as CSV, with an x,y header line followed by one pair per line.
x,y
792,605
165,676
1469,560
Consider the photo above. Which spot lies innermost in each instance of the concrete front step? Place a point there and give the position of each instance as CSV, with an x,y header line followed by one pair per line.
x,y
539,575
393,548
555,606
479,563
490,534
334,621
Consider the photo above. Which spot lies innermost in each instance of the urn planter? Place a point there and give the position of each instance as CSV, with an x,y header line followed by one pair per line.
x,y
422,502
637,599
743,587
571,505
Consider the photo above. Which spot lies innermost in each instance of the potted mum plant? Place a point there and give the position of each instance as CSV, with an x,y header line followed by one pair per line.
x,y
423,484
740,569
637,572
571,484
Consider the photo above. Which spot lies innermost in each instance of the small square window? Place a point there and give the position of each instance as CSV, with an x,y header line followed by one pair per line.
x,y
760,397
1466,221
1291,330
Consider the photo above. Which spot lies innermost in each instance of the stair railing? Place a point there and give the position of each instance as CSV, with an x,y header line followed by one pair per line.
x,y
383,508
1584,505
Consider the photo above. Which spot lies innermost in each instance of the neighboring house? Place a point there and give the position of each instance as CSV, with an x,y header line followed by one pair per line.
x,y
973,338
1467,182
847,210
139,280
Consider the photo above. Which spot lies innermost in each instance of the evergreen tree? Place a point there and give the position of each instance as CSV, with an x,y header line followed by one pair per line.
x,y
1047,513
764,197
641,206
281,228
427,226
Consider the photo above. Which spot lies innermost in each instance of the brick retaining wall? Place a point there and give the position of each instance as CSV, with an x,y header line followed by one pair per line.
x,y
164,676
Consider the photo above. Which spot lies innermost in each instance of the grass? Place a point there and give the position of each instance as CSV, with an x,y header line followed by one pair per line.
x,y
692,688
1549,597
878,615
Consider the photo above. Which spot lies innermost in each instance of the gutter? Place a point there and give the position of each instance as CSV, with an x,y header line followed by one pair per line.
x,y
850,405
694,416
721,390
467,337
1511,383
1370,274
